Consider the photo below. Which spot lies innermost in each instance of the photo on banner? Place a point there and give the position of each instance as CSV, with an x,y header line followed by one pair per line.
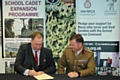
x,y
107,63
22,27
9,66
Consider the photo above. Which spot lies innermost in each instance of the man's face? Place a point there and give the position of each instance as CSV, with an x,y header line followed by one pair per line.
x,y
37,43
75,46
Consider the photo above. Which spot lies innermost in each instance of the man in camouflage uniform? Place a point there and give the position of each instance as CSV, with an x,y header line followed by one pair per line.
x,y
77,59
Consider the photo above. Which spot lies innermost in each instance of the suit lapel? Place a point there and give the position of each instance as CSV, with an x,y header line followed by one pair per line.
x,y
31,56
42,58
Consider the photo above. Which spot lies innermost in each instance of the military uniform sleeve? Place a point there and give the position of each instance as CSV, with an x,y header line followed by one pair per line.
x,y
62,64
90,67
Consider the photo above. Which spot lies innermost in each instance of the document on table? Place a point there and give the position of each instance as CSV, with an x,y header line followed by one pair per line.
x,y
43,76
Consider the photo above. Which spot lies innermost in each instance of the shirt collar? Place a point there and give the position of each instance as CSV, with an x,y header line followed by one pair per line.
x,y
34,51
79,51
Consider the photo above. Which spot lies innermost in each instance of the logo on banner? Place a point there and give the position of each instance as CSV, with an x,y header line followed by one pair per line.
x,y
68,4
110,8
87,8
68,1
55,5
53,1
87,4
52,5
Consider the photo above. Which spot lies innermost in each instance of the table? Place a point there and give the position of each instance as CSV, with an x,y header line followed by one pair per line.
x,y
95,77
56,77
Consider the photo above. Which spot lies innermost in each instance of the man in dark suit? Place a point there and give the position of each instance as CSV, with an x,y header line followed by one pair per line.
x,y
27,64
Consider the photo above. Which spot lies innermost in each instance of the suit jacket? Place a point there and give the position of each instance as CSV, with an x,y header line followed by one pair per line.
x,y
25,60
83,62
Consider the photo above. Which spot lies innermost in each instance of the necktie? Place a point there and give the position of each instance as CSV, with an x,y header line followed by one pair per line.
x,y
36,57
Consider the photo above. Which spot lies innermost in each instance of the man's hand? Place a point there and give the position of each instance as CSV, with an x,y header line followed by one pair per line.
x,y
40,72
73,74
33,73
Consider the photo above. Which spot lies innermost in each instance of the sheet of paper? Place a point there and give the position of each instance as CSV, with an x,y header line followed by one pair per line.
x,y
43,76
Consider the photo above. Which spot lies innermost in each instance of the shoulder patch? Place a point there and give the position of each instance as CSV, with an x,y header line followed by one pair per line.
x,y
90,51
68,47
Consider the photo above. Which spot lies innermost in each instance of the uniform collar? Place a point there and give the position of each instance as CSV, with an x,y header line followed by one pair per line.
x,y
81,50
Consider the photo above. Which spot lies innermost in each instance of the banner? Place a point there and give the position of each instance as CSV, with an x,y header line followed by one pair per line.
x,y
20,19
60,25
98,22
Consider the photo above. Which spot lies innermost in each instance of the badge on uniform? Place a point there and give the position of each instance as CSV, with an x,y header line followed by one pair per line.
x,y
44,60
82,60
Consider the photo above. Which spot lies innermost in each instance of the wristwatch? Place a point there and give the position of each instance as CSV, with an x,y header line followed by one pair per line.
x,y
79,74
